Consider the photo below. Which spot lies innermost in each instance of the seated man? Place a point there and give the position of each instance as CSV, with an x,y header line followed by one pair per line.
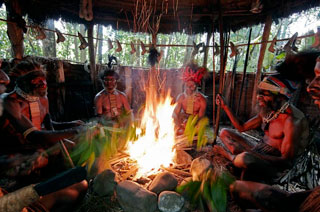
x,y
62,199
26,127
269,198
191,101
110,103
285,128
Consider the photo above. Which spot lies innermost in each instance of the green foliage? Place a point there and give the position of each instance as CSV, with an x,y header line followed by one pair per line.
x,y
197,127
101,140
210,193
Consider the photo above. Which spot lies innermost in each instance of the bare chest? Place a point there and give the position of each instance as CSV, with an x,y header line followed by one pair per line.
x,y
30,109
195,101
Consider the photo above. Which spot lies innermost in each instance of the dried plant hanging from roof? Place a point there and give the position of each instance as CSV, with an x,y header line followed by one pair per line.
x,y
145,15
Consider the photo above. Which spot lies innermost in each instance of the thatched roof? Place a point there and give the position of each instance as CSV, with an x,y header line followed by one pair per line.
x,y
193,16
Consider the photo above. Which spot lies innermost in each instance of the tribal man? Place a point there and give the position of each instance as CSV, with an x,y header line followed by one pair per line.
x,y
191,101
285,128
111,103
59,200
26,126
269,198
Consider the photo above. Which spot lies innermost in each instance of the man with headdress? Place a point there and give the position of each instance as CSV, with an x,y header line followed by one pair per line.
x,y
26,126
285,132
270,198
111,103
191,101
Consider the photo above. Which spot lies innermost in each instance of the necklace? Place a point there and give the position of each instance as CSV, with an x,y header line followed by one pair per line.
x,y
26,96
273,115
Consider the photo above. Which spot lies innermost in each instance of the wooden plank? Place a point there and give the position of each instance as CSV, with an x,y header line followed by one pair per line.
x,y
265,36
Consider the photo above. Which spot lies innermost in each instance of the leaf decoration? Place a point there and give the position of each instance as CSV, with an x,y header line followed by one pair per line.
x,y
209,194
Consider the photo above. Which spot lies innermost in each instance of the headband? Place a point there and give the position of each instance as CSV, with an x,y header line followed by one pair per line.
x,y
275,85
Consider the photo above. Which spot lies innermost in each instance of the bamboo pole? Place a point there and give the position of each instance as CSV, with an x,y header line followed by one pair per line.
x,y
244,71
265,36
221,77
92,57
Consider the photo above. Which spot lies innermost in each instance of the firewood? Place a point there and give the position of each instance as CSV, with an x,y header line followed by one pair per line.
x,y
176,171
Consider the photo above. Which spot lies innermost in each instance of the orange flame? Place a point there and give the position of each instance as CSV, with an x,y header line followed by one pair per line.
x,y
154,148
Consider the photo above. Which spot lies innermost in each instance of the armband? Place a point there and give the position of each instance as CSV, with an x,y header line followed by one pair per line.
x,y
28,131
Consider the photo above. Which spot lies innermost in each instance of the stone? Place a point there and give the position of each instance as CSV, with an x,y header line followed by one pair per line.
x,y
199,166
134,198
163,182
170,201
104,183
183,158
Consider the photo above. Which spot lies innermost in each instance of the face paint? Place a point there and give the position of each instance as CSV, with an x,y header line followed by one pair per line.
x,y
110,83
190,87
39,86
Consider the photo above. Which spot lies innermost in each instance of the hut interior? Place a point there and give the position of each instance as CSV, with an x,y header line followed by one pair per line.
x,y
72,87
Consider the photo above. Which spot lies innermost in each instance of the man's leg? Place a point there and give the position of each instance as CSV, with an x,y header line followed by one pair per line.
x,y
233,141
266,197
66,198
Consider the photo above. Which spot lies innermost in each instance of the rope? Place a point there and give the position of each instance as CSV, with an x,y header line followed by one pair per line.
x,y
164,45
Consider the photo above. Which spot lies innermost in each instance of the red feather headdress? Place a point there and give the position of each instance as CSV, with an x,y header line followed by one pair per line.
x,y
196,76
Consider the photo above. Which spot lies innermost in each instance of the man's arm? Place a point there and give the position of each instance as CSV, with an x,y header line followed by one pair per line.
x,y
23,125
253,123
292,134
203,106
98,104
126,105
177,110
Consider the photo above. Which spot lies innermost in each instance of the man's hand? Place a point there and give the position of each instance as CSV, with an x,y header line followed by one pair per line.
x,y
78,122
220,101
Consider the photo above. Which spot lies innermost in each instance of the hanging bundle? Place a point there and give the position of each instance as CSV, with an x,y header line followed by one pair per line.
x,y
143,47
133,49
85,10
119,48
60,38
83,41
234,50
40,33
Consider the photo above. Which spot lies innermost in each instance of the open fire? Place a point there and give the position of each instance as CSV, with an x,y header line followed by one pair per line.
x,y
154,147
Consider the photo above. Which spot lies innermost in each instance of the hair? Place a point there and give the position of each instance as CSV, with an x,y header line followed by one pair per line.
x,y
24,81
25,67
109,72
299,66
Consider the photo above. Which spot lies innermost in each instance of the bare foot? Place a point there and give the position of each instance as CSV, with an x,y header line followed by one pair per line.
x,y
219,150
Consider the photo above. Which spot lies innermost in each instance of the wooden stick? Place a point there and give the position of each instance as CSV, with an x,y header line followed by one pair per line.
x,y
176,171
213,82
221,72
132,171
92,57
265,36
244,71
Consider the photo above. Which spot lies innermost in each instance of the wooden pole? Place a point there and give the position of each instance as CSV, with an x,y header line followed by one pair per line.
x,y
15,33
221,72
205,59
244,71
213,82
92,57
265,36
